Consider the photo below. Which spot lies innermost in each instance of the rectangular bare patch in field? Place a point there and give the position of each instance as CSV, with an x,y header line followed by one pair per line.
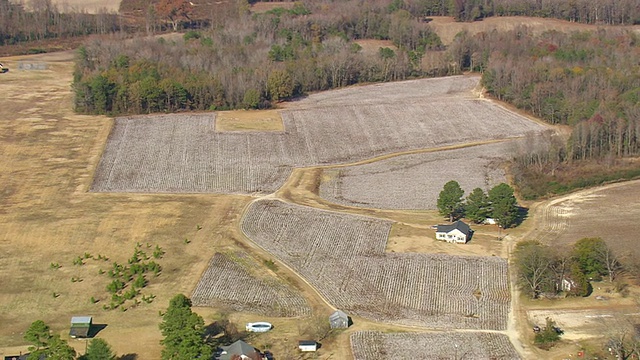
x,y
249,120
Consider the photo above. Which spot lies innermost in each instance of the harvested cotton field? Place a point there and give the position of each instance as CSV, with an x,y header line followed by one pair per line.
x,y
343,257
229,282
184,153
373,345
414,181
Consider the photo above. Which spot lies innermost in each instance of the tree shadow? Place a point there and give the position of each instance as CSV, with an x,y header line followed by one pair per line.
x,y
132,356
4,70
95,329
523,214
223,332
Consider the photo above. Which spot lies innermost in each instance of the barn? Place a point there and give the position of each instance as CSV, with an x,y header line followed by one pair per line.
x,y
80,326
339,320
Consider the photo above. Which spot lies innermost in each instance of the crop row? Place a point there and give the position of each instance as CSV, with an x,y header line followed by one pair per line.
x,y
414,181
228,283
343,257
184,153
373,345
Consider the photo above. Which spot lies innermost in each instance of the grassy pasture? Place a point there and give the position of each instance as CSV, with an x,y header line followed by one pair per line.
x,y
48,158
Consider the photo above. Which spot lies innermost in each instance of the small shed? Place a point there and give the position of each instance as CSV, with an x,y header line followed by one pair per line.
x,y
307,345
80,326
339,320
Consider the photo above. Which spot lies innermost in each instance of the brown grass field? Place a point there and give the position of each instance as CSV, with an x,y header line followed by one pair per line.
x,y
447,27
90,6
247,120
48,158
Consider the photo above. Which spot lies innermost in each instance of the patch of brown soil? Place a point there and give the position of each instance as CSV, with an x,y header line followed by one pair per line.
x,y
447,28
249,120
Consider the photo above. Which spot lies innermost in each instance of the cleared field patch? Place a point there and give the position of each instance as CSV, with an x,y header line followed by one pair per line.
x,y
605,212
249,120
414,181
343,256
373,345
184,152
231,281
90,6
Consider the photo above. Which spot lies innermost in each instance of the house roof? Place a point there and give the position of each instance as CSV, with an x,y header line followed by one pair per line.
x,y
81,320
237,348
307,342
338,314
459,225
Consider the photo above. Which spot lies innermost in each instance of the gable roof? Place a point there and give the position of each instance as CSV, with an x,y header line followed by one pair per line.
x,y
237,348
81,320
458,225
338,314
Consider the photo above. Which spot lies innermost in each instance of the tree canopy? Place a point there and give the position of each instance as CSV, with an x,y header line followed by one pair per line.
x,y
504,205
183,332
45,344
450,200
477,206
98,349
533,263
595,259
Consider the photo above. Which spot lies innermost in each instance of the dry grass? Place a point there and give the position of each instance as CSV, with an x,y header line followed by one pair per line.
x,y
261,7
605,212
371,47
48,158
249,120
447,27
90,6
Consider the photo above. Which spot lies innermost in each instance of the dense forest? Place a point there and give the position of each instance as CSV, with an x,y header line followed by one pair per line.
x,y
587,80
252,60
44,20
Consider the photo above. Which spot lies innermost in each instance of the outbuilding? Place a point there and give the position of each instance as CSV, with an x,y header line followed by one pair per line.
x,y
307,345
458,232
80,326
238,350
339,320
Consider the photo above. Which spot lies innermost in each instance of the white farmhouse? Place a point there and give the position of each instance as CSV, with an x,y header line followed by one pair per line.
x,y
458,232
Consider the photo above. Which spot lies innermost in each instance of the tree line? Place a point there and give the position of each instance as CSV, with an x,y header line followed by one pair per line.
x,y
584,11
45,20
499,204
587,80
251,60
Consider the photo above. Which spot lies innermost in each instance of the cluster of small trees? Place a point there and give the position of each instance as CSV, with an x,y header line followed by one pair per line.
x,y
545,270
52,347
499,203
